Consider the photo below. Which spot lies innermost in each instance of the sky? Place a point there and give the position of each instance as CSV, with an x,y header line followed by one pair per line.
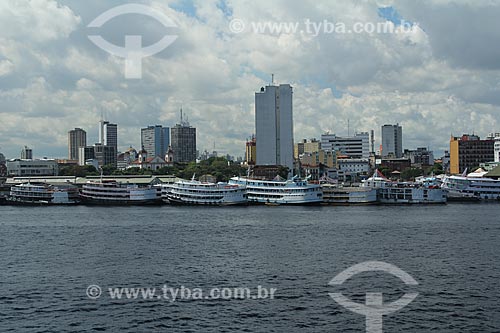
x,y
436,77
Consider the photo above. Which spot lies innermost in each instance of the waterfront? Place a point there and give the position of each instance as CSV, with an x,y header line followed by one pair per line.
x,y
51,254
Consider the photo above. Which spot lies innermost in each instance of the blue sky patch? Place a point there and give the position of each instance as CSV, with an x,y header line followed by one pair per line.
x,y
184,6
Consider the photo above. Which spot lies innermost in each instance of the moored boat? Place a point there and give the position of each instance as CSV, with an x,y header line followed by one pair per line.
x,y
294,191
466,188
335,195
389,192
193,192
42,194
111,192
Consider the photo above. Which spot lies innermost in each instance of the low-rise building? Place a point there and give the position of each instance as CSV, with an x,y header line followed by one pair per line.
x,y
354,166
396,164
146,162
25,167
420,156
327,158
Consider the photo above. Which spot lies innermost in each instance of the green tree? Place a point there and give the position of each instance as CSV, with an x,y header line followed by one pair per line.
x,y
411,173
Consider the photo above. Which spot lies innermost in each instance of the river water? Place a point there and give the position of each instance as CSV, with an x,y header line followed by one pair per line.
x,y
51,255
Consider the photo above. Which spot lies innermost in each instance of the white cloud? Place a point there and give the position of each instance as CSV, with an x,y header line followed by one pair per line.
x,y
60,80
6,67
36,20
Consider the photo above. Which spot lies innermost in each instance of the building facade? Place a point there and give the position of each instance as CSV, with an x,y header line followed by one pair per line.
x,y
22,167
77,138
155,140
392,141
183,138
274,125
353,166
357,146
469,151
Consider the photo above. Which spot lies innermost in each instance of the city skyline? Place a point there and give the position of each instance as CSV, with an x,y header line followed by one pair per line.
x,y
431,84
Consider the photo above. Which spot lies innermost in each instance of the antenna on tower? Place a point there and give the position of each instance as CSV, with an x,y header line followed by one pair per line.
x,y
181,115
272,79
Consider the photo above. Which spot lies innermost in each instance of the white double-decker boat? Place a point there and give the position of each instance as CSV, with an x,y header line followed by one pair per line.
x,y
335,195
280,192
390,192
42,194
193,192
466,188
110,192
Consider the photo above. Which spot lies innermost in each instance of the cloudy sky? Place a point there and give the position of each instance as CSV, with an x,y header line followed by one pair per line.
x,y
437,76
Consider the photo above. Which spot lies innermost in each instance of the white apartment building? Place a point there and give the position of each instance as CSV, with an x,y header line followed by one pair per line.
x,y
357,146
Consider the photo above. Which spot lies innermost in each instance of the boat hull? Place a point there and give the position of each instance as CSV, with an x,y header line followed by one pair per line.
x,y
14,202
124,202
183,202
347,196
279,202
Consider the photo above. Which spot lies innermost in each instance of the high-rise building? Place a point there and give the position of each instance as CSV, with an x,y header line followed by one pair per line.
x,y
356,146
392,140
105,155
108,134
84,154
77,138
26,153
274,125
183,138
468,151
155,140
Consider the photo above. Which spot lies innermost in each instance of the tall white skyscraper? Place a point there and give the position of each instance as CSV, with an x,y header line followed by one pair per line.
x,y
392,140
274,125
